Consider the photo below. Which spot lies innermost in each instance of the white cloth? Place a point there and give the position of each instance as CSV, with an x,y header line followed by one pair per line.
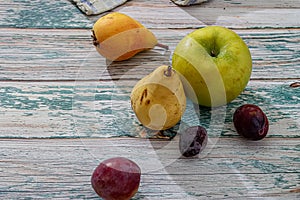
x,y
95,7
188,2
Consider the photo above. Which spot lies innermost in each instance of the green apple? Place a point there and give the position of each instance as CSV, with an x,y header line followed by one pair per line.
x,y
215,65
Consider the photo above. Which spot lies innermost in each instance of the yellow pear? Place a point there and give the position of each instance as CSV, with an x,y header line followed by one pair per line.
x,y
119,37
158,100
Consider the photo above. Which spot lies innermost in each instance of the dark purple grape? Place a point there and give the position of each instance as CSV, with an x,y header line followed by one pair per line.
x,y
192,141
251,122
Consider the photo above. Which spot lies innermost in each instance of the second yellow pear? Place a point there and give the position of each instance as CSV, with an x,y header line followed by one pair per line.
x,y
119,37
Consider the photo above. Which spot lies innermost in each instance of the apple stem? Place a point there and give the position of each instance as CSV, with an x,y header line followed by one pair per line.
x,y
168,72
213,54
166,47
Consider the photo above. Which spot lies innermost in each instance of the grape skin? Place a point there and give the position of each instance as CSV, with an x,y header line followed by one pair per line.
x,y
192,141
116,178
251,122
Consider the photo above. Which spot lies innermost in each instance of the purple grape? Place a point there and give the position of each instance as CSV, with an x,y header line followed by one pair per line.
x,y
116,178
192,141
251,122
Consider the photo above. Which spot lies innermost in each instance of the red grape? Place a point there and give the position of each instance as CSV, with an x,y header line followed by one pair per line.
x,y
116,179
251,122
192,141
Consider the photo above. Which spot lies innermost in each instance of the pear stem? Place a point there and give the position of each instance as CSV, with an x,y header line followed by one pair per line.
x,y
166,47
168,72
296,84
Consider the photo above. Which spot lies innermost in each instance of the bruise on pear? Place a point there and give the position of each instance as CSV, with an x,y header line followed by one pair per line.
x,y
158,99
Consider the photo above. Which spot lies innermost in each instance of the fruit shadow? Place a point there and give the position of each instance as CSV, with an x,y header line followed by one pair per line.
x,y
217,121
118,70
138,66
212,13
213,166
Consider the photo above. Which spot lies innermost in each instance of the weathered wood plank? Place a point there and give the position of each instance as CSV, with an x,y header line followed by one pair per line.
x,y
102,109
248,14
63,14
55,86
252,4
34,54
232,17
226,3
42,14
232,13
61,168
155,14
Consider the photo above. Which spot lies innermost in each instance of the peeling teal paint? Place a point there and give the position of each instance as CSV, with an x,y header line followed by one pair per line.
x,y
45,14
266,167
121,119
280,180
12,97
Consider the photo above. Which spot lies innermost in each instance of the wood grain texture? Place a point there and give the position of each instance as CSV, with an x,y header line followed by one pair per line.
x,y
231,169
247,14
231,17
159,14
64,108
102,109
38,54
41,14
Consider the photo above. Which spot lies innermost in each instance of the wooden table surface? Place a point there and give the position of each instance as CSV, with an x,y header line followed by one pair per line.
x,y
64,108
